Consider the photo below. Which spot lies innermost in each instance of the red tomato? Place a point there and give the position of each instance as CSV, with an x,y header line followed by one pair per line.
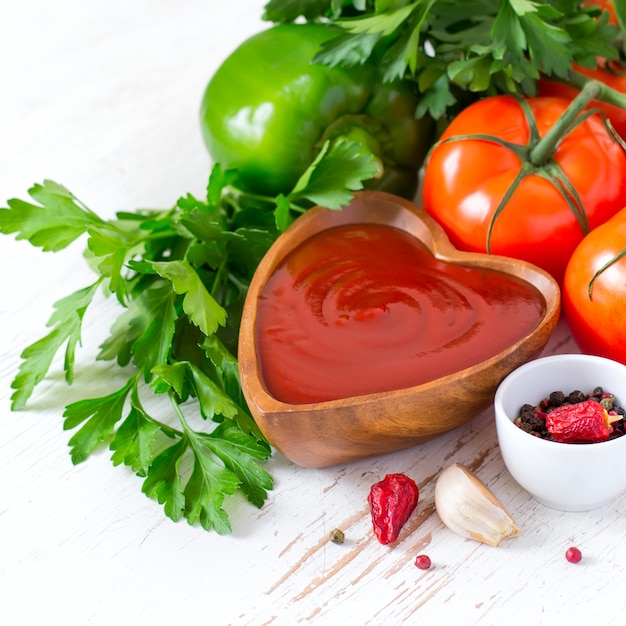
x,y
607,5
611,74
595,310
465,180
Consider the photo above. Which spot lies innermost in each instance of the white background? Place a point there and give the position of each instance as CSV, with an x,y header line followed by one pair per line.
x,y
103,97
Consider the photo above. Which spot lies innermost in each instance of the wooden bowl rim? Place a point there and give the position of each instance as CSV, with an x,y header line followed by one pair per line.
x,y
318,219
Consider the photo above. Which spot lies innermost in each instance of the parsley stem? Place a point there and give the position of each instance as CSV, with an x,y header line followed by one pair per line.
x,y
166,429
254,196
243,287
218,280
297,208
179,412
270,200
188,433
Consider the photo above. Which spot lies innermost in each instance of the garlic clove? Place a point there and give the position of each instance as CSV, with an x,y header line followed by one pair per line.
x,y
467,507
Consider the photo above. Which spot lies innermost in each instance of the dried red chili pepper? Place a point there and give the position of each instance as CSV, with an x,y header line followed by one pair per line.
x,y
392,500
586,421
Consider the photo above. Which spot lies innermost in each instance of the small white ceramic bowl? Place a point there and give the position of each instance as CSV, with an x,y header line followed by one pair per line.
x,y
563,476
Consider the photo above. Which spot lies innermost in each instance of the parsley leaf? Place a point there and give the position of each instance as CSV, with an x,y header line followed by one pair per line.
x,y
208,484
290,10
282,213
164,480
133,441
37,358
237,451
98,416
180,277
213,400
457,52
154,327
54,223
110,249
198,303
339,169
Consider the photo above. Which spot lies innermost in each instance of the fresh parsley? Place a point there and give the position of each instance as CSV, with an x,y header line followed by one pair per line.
x,y
458,51
180,277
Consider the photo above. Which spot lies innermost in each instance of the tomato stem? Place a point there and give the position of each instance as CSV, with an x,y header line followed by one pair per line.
x,y
606,94
606,266
542,152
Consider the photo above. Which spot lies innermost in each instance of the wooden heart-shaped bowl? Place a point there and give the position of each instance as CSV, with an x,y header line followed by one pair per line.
x,y
321,430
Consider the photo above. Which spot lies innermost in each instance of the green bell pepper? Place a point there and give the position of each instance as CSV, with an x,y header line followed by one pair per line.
x,y
268,109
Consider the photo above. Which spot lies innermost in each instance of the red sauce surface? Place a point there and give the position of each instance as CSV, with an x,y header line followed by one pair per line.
x,y
366,308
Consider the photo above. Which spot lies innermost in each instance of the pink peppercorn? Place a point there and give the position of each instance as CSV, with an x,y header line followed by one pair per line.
x,y
573,555
422,561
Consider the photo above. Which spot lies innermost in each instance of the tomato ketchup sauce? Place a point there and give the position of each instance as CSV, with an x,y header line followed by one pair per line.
x,y
366,308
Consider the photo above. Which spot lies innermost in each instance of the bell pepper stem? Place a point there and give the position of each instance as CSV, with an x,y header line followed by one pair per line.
x,y
543,150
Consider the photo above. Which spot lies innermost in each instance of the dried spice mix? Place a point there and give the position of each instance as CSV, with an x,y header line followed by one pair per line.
x,y
574,418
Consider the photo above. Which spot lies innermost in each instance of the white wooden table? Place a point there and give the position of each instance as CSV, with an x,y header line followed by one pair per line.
x,y
103,98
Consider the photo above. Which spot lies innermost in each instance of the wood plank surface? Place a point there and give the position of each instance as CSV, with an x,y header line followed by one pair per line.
x,y
103,98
